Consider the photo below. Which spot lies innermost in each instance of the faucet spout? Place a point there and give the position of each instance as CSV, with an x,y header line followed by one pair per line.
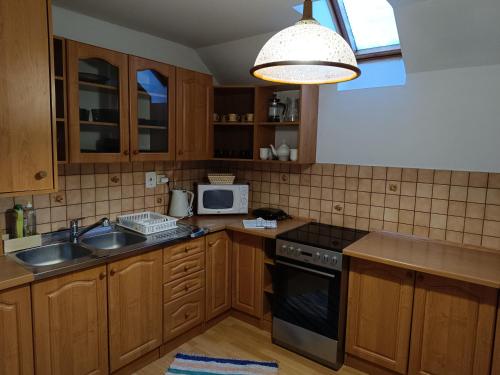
x,y
75,234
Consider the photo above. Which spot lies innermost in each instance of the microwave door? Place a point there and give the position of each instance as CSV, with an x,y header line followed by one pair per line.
x,y
218,199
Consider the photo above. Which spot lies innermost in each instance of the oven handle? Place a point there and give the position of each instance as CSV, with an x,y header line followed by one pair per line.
x,y
331,276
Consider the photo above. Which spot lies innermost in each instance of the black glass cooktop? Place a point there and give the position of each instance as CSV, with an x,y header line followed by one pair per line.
x,y
323,236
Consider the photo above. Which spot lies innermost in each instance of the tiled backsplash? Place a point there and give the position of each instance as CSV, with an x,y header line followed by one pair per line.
x,y
462,207
93,191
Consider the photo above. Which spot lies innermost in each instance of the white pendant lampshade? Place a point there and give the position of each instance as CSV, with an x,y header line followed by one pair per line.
x,y
306,53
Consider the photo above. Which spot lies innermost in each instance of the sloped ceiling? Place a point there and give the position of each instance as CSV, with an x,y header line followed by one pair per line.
x,y
194,23
228,34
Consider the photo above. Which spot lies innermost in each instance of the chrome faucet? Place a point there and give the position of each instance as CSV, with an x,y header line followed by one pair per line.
x,y
74,234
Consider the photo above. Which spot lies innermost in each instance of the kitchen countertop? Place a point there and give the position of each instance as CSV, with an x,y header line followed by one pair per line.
x,y
234,223
466,263
13,274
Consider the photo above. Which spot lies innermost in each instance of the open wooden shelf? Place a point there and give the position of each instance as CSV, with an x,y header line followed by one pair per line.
x,y
281,123
146,93
152,127
235,123
98,123
98,85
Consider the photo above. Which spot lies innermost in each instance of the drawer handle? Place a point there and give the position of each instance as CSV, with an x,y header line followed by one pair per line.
x,y
186,288
41,175
187,315
187,268
102,275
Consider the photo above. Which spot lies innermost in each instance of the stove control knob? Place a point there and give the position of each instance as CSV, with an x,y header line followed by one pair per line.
x,y
299,252
291,250
325,258
334,261
316,256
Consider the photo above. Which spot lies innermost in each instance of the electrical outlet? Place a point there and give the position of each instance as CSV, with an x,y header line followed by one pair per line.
x,y
150,179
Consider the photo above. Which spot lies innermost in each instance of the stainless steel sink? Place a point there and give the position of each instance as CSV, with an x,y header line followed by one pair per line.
x,y
112,240
52,254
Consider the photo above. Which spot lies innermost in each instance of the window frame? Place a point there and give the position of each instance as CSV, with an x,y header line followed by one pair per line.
x,y
339,18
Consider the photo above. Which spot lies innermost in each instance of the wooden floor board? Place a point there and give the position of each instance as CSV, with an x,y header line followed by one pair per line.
x,y
233,338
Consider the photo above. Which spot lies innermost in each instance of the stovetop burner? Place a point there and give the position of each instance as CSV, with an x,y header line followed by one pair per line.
x,y
325,236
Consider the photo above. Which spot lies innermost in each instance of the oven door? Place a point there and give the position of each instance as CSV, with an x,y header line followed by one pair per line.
x,y
308,297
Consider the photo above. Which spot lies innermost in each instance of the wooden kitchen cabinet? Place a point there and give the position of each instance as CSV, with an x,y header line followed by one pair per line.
x,y
98,106
495,366
453,327
70,324
152,110
194,114
247,274
379,314
218,271
183,314
16,339
135,307
27,128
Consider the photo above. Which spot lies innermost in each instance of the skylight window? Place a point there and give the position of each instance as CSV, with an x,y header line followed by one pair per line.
x,y
368,25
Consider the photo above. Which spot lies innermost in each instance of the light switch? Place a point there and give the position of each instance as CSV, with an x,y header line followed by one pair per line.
x,y
150,179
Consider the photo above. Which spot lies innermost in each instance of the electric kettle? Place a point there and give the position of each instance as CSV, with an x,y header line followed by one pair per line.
x,y
181,203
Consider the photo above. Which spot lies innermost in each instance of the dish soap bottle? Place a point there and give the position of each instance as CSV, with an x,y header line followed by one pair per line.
x,y
29,220
19,221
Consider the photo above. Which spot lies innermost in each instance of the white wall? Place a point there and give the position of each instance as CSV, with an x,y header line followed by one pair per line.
x,y
91,30
447,119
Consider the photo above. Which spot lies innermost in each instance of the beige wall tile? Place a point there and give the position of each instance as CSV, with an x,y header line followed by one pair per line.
x,y
442,177
73,196
88,209
58,213
409,174
392,201
394,174
407,203
377,199
459,178
439,206
426,176
423,204
74,212
494,180
391,214
73,182
493,196
422,219
39,201
379,173
458,193
441,191
365,185
472,239
476,195
455,223
491,228
492,242
478,179
474,226
101,194
424,190
365,172
88,195
456,208
406,216
88,181
408,188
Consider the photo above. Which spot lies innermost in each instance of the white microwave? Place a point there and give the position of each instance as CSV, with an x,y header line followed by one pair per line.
x,y
222,199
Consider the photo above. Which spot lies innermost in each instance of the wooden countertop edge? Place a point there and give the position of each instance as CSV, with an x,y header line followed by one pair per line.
x,y
431,271
17,281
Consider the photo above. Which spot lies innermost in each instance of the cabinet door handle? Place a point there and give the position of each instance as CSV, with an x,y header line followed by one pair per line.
x,y
102,275
41,175
136,152
211,243
125,152
112,272
179,152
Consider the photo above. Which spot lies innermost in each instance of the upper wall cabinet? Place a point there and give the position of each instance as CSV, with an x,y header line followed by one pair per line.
x,y
194,112
152,110
98,104
26,106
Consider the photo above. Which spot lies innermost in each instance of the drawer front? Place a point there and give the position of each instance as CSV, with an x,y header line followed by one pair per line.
x,y
181,251
180,268
183,314
180,288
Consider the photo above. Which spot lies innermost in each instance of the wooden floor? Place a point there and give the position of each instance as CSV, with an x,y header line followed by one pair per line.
x,y
233,338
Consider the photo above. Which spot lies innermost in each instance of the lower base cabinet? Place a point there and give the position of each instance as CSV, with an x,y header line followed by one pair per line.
x,y
135,307
379,314
247,274
70,324
218,271
452,322
16,339
495,367
453,327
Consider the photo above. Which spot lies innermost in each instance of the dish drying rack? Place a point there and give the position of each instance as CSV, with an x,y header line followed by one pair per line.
x,y
147,222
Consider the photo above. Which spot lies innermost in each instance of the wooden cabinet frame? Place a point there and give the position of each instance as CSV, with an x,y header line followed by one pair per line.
x,y
75,52
137,64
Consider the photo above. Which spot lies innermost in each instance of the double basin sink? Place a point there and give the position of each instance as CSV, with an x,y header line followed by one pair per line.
x,y
91,247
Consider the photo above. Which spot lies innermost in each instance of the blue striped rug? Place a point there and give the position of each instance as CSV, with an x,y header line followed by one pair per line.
x,y
188,364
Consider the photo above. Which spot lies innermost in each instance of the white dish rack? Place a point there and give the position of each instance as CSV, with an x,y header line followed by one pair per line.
x,y
147,222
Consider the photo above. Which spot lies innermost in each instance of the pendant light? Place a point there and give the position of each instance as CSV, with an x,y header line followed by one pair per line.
x,y
306,53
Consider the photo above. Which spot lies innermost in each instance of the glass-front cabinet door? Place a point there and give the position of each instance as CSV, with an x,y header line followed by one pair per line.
x,y
151,110
98,104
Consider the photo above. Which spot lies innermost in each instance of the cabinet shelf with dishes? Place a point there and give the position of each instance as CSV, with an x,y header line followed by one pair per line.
x,y
242,126
59,45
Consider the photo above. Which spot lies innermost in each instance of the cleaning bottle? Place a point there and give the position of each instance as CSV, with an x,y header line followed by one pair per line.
x,y
19,227
29,220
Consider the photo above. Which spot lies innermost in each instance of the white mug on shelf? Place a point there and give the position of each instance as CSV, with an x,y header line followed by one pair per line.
x,y
264,153
293,154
